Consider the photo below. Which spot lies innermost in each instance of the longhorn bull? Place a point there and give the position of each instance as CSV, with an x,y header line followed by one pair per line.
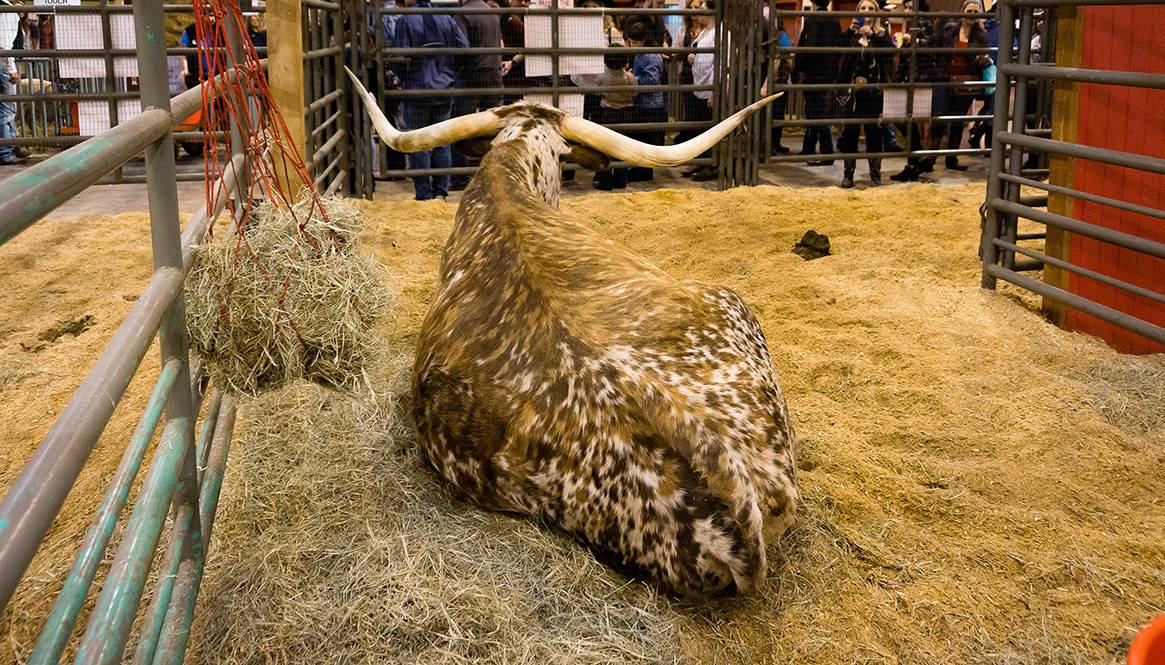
x,y
562,376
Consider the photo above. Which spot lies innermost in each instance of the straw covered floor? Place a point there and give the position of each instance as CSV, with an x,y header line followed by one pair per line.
x,y
979,486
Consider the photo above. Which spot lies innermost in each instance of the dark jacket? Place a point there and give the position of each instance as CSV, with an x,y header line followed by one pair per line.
x,y
428,72
818,67
482,31
949,38
873,67
925,64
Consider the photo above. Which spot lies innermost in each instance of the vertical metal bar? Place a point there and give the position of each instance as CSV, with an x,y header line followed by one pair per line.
x,y
995,187
174,464
110,79
912,83
554,65
359,37
1015,163
63,617
720,88
234,56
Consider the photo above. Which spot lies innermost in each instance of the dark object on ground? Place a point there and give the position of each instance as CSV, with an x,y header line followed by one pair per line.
x,y
73,327
813,245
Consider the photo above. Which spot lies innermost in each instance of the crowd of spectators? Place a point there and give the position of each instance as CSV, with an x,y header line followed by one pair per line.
x,y
844,87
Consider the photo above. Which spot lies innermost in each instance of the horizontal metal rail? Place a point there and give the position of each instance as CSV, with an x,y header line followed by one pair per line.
x,y
323,126
319,155
1085,196
1092,274
320,103
50,183
1118,238
31,504
1099,76
1102,155
1115,317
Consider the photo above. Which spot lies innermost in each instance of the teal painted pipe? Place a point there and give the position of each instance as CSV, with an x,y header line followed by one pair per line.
x,y
156,616
208,427
152,627
216,467
60,623
172,645
112,618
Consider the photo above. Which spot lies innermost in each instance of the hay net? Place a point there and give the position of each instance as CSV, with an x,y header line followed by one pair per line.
x,y
288,293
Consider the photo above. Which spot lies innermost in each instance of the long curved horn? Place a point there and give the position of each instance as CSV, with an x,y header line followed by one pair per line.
x,y
483,123
617,146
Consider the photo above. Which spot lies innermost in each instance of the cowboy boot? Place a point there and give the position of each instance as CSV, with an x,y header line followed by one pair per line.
x,y
876,172
847,180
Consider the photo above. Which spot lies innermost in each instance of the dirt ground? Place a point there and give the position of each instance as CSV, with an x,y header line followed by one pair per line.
x,y
979,486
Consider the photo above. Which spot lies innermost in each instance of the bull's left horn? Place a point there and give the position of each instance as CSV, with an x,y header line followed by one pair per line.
x,y
449,131
620,147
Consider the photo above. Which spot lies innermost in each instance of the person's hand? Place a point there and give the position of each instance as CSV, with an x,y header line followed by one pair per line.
x,y
854,25
865,31
507,66
709,102
14,78
691,58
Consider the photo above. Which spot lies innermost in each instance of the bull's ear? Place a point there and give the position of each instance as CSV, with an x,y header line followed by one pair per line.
x,y
474,148
589,158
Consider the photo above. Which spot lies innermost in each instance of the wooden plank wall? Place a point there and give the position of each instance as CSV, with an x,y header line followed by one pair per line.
x,y
1131,120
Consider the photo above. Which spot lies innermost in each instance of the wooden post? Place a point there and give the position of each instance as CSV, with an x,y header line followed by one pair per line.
x,y
285,76
1065,111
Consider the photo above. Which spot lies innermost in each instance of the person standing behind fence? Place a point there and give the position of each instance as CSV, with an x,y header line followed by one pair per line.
x,y
477,70
615,108
428,72
857,69
703,74
649,108
689,103
966,33
926,70
817,68
514,68
9,77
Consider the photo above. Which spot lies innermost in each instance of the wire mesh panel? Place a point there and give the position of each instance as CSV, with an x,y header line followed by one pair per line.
x,y
626,68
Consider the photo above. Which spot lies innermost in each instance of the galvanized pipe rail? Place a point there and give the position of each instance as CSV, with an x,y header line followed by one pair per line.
x,y
30,505
999,244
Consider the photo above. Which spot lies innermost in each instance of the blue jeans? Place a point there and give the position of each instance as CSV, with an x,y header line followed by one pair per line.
x,y
817,107
7,115
417,116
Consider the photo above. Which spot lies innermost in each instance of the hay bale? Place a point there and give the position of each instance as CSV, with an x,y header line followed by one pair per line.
x,y
287,300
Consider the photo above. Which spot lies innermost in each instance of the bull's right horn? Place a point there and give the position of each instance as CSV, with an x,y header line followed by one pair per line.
x,y
618,146
484,123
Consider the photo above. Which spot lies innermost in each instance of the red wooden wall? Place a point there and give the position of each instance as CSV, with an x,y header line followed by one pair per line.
x,y
1131,120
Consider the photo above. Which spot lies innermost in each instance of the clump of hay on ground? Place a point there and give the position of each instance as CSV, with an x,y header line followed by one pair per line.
x,y
292,296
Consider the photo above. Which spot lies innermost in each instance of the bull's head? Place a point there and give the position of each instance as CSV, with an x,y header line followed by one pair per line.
x,y
550,135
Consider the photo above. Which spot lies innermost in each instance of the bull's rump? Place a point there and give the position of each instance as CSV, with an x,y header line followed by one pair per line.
x,y
586,387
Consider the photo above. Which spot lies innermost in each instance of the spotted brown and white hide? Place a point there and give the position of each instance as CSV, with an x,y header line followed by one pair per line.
x,y
560,375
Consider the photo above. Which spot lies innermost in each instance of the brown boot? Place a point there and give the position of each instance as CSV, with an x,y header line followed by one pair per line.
x,y
847,180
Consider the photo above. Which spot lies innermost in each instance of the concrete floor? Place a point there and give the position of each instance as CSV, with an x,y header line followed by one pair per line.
x,y
115,199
